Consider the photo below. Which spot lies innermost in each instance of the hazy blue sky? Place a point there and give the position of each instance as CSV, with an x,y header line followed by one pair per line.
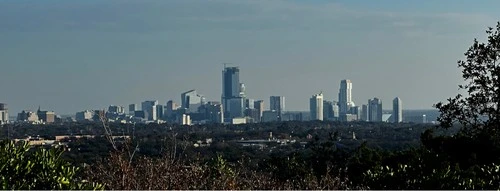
x,y
73,55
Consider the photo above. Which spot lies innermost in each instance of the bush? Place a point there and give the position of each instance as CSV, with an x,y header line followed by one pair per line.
x,y
22,168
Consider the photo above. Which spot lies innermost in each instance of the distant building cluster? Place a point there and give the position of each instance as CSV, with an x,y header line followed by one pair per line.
x,y
346,110
233,108
38,117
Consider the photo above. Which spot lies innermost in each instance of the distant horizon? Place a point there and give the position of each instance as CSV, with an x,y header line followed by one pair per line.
x,y
73,114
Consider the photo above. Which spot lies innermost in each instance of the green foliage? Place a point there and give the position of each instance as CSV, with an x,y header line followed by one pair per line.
x,y
24,169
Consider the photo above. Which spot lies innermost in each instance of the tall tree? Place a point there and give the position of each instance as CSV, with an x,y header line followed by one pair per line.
x,y
481,72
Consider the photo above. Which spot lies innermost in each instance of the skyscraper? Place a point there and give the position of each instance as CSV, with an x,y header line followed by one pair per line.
x,y
249,103
336,111
328,110
160,111
259,105
375,110
397,110
316,107
131,109
4,113
277,103
232,98
364,112
345,96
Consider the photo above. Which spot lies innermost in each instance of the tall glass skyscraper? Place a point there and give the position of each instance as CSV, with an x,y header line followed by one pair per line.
x,y
375,110
345,96
316,107
231,93
277,103
397,110
230,82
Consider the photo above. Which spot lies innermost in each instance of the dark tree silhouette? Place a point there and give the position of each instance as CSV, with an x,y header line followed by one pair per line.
x,y
481,73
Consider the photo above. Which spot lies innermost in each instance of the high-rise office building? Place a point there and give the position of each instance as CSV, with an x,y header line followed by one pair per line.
x,y
250,104
4,113
213,112
316,107
277,103
253,114
160,111
86,115
46,116
116,109
328,110
336,110
169,110
191,101
397,110
356,110
236,108
149,109
232,93
345,96
259,105
375,110
131,109
364,113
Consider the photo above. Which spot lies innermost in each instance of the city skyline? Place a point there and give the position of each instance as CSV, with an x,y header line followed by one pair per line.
x,y
345,93
69,56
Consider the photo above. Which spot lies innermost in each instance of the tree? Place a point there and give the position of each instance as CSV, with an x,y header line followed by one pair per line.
x,y
481,73
42,169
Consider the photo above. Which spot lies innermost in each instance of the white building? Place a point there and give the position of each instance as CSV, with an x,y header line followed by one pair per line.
x,y
4,114
316,107
345,96
185,120
397,110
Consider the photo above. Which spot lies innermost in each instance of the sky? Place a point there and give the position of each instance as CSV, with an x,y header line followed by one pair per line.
x,y
68,56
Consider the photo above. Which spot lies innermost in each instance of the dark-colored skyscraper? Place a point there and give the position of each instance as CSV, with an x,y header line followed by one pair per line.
x,y
131,109
232,99
230,82
328,110
364,113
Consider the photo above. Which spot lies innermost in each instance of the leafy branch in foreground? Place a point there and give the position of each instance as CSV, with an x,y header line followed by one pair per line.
x,y
26,168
